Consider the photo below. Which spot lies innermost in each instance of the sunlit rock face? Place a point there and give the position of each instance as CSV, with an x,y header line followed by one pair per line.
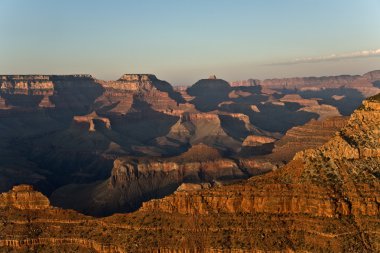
x,y
24,197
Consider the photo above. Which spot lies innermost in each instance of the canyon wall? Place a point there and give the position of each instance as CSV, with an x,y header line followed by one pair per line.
x,y
324,199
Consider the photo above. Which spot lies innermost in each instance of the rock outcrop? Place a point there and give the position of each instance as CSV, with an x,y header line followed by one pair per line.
x,y
24,197
254,140
311,135
134,180
90,120
209,93
120,95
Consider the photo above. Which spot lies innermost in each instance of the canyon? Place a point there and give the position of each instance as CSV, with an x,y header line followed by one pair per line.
x,y
121,143
325,198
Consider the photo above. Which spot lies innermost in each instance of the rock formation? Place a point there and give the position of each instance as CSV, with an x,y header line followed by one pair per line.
x,y
64,132
134,180
90,120
209,93
362,83
120,95
312,134
325,199
24,197
339,179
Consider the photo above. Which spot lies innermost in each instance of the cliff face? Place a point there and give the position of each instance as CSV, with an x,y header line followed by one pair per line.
x,y
24,197
120,95
73,93
135,180
312,134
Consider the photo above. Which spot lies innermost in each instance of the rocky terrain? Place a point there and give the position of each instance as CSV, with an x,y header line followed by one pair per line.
x,y
127,141
325,199
363,84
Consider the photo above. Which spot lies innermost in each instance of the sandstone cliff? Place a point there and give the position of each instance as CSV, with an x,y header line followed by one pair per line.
x,y
311,135
24,197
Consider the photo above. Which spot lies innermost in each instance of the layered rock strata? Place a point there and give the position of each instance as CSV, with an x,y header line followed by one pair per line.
x,y
362,83
24,197
325,199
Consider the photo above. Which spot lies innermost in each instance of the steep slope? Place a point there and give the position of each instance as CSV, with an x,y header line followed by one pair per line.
x,y
313,134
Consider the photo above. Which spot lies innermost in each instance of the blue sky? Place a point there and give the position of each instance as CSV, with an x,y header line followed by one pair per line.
x,y
183,41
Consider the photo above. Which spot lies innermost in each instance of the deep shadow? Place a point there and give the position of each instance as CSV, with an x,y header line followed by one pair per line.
x,y
75,95
22,100
376,84
143,124
276,118
209,93
351,100
166,87
234,127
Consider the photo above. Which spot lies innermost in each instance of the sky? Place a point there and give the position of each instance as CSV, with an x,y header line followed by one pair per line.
x,y
184,41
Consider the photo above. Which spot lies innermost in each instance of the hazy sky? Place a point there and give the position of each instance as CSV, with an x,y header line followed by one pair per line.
x,y
183,41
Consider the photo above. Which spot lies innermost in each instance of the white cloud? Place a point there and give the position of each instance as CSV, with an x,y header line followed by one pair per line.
x,y
332,57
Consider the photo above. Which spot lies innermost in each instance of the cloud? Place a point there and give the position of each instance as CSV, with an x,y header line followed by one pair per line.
x,y
332,57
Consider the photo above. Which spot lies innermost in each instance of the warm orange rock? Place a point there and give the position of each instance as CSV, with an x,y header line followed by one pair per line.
x,y
254,140
24,197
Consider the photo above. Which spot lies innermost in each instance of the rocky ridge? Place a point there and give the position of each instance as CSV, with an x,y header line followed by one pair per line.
x,y
362,83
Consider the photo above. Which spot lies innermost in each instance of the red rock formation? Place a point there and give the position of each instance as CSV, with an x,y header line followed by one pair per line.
x,y
25,83
254,140
24,197
90,121
320,182
312,134
121,94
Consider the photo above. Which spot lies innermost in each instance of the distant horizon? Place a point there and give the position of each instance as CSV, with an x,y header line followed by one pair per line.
x,y
206,77
182,41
